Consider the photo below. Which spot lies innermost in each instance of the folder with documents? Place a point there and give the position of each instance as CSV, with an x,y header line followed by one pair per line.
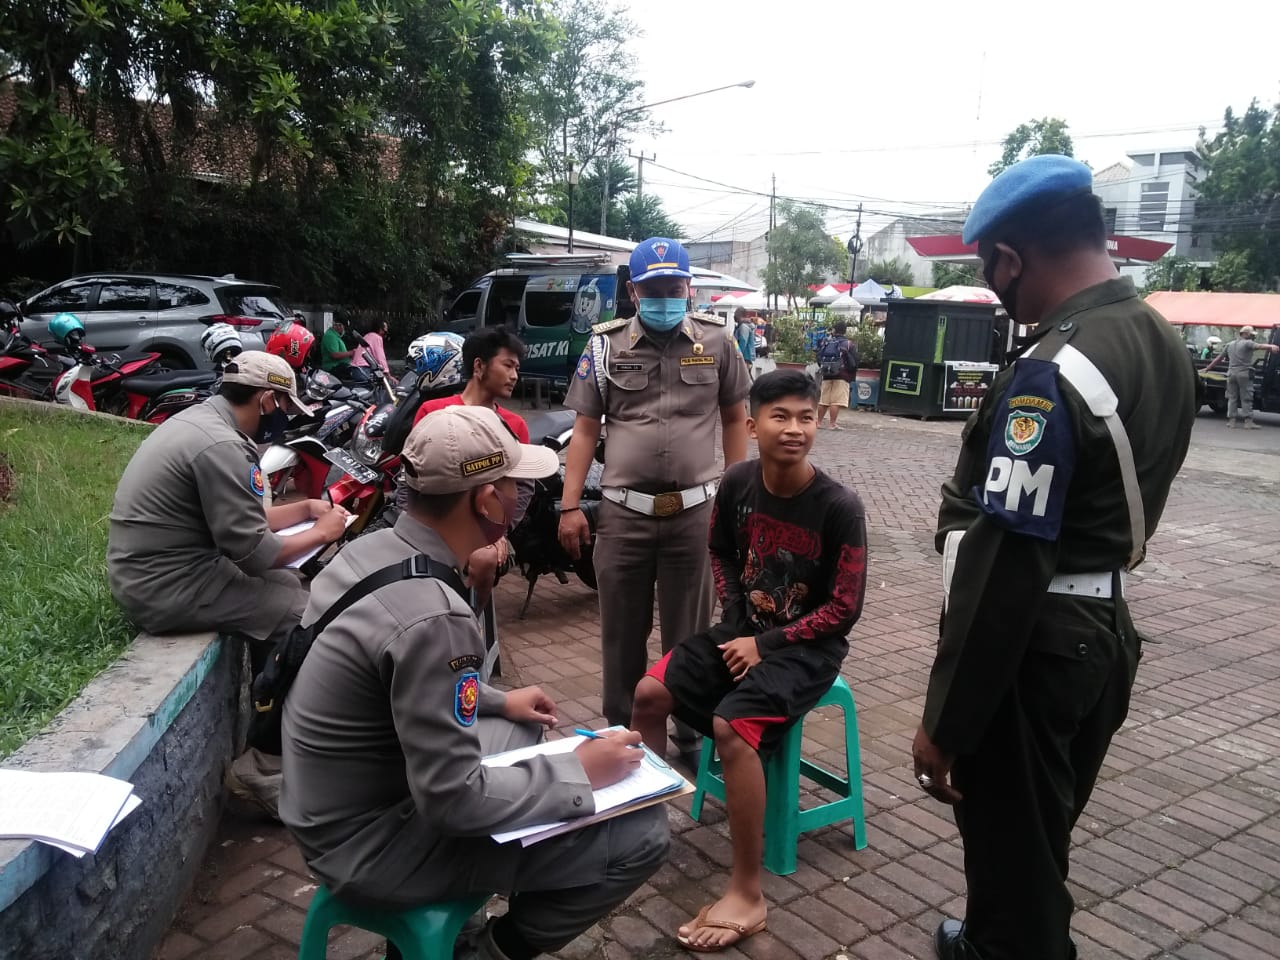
x,y
653,781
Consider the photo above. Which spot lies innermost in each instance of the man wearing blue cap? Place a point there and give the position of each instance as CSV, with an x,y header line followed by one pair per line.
x,y
1063,474
663,380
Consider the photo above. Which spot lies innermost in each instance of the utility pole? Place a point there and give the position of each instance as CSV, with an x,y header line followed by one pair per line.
x,y
641,158
773,222
604,182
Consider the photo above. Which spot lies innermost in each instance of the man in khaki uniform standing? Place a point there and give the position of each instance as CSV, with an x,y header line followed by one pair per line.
x,y
661,380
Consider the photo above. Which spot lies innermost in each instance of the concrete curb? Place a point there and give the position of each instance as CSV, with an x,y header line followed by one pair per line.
x,y
163,716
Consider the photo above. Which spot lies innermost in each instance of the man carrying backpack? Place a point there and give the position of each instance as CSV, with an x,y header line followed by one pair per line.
x,y
838,361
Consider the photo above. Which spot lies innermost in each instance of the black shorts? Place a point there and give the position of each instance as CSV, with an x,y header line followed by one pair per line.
x,y
763,705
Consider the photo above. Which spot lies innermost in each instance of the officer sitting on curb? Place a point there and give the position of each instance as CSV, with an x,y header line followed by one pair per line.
x,y
387,721
190,546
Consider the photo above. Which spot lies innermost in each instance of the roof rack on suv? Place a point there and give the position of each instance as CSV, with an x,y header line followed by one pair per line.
x,y
556,259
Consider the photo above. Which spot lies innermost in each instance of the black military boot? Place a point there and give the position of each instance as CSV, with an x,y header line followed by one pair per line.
x,y
950,944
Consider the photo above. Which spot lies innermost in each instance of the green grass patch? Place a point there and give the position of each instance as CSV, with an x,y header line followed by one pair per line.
x,y
59,626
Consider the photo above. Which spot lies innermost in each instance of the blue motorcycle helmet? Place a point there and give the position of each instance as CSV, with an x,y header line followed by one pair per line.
x,y
64,325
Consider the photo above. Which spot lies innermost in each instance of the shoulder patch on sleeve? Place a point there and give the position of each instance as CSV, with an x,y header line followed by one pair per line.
x,y
583,370
608,325
256,482
712,318
466,698
1031,453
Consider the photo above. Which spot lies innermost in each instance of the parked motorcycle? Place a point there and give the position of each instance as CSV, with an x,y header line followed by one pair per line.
x,y
536,538
27,370
98,381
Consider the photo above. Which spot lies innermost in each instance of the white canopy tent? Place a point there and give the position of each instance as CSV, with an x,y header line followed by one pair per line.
x,y
960,294
845,304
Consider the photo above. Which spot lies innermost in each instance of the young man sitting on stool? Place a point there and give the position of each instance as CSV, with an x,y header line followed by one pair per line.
x,y
789,559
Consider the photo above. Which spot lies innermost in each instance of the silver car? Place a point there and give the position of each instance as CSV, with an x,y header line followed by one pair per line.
x,y
164,313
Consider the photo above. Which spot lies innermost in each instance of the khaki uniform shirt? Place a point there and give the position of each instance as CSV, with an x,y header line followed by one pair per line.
x,y
1037,488
381,755
188,519
663,394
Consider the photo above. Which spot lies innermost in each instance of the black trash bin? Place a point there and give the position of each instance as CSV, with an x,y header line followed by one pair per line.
x,y
939,357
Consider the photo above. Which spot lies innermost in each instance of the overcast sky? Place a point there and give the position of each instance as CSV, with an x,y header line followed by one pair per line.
x,y
904,104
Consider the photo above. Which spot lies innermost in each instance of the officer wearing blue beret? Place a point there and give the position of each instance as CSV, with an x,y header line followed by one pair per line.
x,y
1062,476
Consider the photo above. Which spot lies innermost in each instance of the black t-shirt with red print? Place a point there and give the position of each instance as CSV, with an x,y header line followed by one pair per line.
x,y
789,569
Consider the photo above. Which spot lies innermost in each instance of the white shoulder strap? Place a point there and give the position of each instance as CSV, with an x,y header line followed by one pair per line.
x,y
600,361
1088,381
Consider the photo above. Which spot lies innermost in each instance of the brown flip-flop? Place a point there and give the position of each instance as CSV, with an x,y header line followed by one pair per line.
x,y
701,921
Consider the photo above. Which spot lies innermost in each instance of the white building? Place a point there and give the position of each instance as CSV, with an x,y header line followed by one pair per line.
x,y
1154,197
745,259
890,242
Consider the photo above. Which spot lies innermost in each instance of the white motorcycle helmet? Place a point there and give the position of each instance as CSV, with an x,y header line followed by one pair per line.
x,y
221,342
437,358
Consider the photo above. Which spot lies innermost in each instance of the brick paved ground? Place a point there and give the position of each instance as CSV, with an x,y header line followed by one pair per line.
x,y
1177,855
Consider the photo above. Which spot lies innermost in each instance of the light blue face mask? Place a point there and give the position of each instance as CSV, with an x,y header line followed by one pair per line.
x,y
662,313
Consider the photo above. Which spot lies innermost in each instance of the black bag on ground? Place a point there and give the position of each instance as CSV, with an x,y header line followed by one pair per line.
x,y
271,686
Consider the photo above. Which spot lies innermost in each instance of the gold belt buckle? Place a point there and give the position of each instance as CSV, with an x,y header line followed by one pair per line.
x,y
667,504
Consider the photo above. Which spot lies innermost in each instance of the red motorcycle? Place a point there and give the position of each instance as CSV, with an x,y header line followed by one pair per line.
x,y
27,370
111,383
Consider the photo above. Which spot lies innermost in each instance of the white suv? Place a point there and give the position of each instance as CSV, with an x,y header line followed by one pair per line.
x,y
164,313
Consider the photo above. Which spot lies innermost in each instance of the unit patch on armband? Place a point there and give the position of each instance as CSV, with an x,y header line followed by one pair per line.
x,y
466,697
1023,431
255,480
584,366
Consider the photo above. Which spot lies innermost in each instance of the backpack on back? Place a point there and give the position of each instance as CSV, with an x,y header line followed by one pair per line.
x,y
833,358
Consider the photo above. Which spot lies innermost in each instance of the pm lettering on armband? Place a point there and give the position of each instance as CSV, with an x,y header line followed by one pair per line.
x,y
1015,479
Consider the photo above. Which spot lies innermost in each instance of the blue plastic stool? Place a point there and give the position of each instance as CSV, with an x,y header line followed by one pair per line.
x,y
420,933
784,821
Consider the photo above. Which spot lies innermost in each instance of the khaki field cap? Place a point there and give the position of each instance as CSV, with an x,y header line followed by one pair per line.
x,y
1247,331
253,368
460,448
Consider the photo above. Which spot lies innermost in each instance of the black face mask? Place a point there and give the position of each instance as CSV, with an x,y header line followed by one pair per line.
x,y
1009,295
271,426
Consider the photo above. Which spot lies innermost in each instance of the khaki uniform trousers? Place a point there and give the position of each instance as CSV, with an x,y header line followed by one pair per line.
x,y
633,553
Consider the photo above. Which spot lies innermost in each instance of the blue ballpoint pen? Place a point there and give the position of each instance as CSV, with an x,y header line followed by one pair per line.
x,y
593,735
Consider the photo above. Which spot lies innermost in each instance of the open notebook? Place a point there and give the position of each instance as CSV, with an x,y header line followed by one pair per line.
x,y
70,811
653,781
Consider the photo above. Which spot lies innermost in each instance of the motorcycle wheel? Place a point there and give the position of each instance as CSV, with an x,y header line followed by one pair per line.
x,y
585,569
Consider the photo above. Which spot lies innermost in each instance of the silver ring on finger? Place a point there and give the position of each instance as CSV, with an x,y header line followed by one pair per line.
x,y
925,781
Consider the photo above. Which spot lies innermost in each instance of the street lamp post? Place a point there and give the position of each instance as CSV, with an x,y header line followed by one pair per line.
x,y
573,182
855,247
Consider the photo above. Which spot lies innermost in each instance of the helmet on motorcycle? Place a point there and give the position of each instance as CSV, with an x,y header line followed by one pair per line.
x,y
291,341
437,359
220,343
65,325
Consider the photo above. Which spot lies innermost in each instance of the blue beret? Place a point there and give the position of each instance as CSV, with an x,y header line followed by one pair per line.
x,y
1035,181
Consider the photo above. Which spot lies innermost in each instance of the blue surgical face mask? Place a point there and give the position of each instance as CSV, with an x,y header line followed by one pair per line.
x,y
663,313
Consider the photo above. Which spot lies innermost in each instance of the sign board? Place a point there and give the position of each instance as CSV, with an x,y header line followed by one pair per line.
x,y
965,384
903,376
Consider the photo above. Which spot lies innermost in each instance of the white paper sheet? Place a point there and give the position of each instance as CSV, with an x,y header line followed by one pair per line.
x,y
69,809
303,527
651,778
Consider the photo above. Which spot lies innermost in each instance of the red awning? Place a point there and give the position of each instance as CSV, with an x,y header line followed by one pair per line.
x,y
951,248
1261,310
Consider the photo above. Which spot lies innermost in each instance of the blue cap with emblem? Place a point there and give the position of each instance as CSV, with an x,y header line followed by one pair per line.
x,y
1034,182
659,257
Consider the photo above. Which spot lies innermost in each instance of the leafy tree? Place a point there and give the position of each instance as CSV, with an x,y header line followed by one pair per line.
x,y
1172,273
957,275
1240,199
801,252
891,271
1046,135
584,103
643,217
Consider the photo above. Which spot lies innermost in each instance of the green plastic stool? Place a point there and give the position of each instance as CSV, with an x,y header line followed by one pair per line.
x,y
784,821
420,933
